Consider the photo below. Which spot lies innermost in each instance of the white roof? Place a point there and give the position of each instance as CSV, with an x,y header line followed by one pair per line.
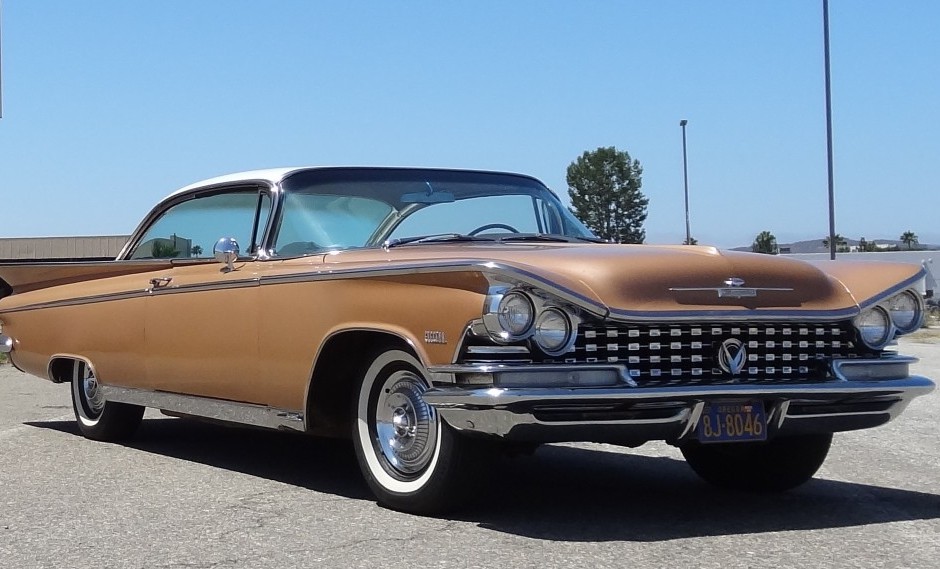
x,y
272,175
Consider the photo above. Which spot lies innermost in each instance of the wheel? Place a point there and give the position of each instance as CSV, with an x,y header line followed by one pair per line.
x,y
410,459
97,418
773,466
489,226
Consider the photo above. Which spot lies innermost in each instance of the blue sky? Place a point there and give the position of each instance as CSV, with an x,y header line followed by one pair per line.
x,y
109,105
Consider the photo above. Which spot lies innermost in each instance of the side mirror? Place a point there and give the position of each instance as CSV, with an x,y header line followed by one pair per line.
x,y
226,251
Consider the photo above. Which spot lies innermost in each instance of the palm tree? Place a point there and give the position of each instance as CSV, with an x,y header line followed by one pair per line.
x,y
766,243
840,242
163,249
196,250
909,238
690,241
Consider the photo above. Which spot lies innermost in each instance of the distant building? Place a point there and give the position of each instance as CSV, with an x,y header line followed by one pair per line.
x,y
61,248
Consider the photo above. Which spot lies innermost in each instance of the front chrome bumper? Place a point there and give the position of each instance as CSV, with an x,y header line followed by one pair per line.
x,y
627,414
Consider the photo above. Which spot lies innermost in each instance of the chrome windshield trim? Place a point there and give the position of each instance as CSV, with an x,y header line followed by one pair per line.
x,y
207,407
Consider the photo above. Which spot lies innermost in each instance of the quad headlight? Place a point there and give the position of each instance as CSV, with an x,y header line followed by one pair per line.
x,y
514,315
874,327
902,313
906,310
553,331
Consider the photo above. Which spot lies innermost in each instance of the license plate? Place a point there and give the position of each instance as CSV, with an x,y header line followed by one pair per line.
x,y
732,421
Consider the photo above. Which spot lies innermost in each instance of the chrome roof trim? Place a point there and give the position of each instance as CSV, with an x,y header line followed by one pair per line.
x,y
270,176
220,183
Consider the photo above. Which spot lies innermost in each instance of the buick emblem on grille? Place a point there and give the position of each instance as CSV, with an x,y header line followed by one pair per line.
x,y
735,281
732,356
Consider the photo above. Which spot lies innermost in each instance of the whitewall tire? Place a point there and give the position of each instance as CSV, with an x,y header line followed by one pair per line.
x,y
98,418
410,459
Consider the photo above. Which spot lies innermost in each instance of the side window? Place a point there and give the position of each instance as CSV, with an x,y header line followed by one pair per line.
x,y
190,229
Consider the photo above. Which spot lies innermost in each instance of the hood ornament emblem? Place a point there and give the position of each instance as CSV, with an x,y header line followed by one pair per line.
x,y
732,356
733,288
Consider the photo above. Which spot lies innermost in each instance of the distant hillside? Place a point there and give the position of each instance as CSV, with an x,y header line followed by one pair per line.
x,y
816,246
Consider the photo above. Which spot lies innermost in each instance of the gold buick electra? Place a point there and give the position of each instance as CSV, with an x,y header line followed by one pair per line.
x,y
438,316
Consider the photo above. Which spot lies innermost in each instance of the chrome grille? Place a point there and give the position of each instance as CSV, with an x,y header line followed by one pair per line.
x,y
688,353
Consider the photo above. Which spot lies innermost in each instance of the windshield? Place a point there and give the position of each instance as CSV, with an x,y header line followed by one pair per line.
x,y
340,208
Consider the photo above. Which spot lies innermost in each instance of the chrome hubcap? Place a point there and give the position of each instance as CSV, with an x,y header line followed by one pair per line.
x,y
406,427
93,395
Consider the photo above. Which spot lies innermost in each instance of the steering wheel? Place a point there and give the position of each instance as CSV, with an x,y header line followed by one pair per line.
x,y
489,226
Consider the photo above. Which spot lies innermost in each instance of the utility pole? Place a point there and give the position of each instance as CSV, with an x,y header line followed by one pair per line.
x,y
1,59
685,174
832,199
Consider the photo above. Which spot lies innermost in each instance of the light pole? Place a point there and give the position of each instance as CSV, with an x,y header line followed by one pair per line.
x,y
685,174
832,199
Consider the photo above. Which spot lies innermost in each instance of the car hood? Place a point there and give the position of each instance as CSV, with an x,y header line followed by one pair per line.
x,y
645,281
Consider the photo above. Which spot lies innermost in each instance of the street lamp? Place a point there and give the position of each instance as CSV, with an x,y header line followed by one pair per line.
x,y
832,199
685,174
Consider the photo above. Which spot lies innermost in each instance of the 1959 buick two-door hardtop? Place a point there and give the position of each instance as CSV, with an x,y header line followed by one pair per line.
x,y
436,315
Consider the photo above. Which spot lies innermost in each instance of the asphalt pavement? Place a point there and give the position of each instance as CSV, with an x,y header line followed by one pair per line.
x,y
191,495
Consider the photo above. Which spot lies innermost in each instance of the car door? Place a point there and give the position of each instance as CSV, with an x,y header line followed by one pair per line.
x,y
201,316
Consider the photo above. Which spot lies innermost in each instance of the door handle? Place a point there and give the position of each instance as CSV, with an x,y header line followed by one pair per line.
x,y
160,282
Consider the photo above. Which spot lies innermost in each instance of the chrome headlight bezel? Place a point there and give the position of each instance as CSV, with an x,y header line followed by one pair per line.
x,y
903,311
515,314
882,339
495,313
906,319
560,337
540,308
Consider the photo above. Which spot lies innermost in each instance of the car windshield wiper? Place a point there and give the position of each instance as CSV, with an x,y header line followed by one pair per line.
x,y
437,238
549,238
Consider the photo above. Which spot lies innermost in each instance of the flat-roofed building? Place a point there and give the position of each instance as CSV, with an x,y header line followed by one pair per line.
x,y
61,248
